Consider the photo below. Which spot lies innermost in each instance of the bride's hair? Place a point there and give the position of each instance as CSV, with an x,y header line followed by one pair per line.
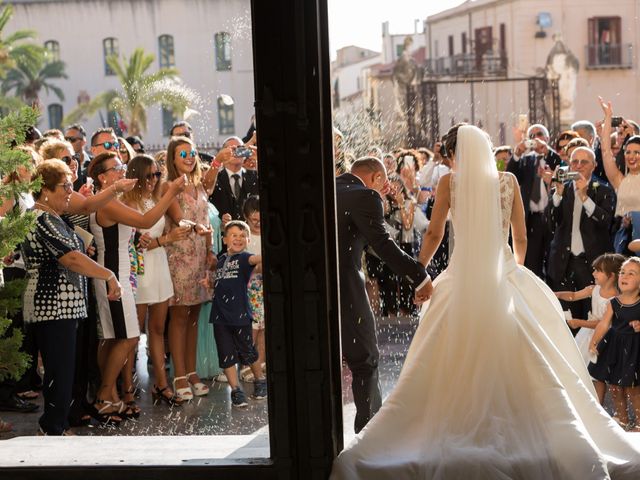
x,y
450,139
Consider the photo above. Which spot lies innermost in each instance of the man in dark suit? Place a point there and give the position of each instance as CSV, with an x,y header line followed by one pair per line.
x,y
528,165
579,214
234,183
361,224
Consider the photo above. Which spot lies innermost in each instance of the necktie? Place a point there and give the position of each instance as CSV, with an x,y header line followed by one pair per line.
x,y
236,185
535,188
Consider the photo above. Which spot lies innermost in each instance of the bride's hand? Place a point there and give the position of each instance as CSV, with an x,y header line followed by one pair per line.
x,y
424,293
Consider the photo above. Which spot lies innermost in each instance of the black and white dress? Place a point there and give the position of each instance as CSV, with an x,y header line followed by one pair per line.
x,y
117,319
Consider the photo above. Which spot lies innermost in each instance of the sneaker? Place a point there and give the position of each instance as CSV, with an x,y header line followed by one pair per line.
x,y
221,377
260,389
238,398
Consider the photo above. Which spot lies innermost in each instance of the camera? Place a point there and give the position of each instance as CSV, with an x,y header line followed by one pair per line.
x,y
564,175
529,144
243,152
616,122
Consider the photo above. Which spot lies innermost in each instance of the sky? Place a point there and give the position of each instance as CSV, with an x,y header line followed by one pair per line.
x,y
359,22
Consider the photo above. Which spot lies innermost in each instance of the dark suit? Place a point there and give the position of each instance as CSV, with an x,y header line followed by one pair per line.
x,y
538,237
222,196
361,224
567,271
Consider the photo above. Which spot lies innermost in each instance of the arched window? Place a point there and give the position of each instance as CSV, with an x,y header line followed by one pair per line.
x,y
55,115
223,51
166,55
226,116
109,47
53,50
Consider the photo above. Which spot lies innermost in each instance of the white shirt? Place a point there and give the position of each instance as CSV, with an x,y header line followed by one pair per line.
x,y
577,245
231,180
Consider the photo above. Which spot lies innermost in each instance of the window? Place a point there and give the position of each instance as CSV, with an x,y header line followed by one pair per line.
x,y
604,41
167,121
53,50
55,116
226,122
166,55
463,42
109,47
451,45
223,51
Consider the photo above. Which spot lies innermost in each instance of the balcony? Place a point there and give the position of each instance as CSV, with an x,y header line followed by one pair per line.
x,y
609,56
468,65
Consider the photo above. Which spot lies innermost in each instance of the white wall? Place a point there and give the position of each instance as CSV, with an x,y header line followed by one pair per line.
x,y
80,27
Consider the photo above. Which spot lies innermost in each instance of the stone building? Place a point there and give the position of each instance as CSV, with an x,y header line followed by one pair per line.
x,y
209,42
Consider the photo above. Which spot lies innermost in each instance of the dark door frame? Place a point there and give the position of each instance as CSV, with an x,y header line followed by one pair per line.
x,y
293,117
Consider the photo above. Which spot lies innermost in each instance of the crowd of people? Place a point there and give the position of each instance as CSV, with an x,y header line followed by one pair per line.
x,y
125,243
581,194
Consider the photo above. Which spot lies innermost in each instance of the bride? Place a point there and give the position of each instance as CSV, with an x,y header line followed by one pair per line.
x,y
493,386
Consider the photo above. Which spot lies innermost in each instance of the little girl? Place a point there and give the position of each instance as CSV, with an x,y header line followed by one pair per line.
x,y
251,212
605,275
618,352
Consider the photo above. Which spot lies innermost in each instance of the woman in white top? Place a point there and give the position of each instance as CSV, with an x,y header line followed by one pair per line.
x,y
154,280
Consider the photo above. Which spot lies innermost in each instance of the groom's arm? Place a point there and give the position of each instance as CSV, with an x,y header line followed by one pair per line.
x,y
368,217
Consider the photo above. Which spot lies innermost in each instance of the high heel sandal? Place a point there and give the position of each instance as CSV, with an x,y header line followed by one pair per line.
x,y
199,388
132,408
185,393
101,414
158,396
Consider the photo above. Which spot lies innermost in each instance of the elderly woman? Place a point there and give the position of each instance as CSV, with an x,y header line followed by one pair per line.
x,y
54,298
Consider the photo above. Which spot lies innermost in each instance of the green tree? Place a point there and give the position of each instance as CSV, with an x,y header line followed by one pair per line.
x,y
16,47
139,90
27,79
14,226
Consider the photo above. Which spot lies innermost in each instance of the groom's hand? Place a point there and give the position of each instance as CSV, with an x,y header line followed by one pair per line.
x,y
424,293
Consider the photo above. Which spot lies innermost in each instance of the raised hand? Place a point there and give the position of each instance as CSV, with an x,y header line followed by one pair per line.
x,y
125,184
606,108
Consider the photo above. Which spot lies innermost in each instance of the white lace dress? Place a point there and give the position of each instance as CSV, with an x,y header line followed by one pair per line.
x,y
513,401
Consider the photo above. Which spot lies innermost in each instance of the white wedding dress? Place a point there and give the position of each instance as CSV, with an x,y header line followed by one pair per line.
x,y
493,386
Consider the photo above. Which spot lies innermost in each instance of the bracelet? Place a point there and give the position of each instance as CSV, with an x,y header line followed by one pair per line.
x,y
216,163
113,275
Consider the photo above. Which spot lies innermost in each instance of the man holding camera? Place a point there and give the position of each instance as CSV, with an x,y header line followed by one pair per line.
x,y
531,158
579,215
234,183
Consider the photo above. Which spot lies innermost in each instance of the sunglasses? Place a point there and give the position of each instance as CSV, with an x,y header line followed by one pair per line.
x,y
68,186
150,176
121,167
183,134
108,145
192,154
124,151
73,139
67,159
536,135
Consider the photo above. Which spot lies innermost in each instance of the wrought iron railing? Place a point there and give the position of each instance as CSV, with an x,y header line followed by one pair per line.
x,y
607,55
468,64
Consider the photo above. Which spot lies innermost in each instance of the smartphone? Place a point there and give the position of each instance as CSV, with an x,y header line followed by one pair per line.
x,y
523,122
243,152
616,121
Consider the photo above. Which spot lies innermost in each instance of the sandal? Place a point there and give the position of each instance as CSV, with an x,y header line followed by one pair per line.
x,y
28,395
246,375
133,409
185,393
5,427
158,396
127,410
104,416
199,388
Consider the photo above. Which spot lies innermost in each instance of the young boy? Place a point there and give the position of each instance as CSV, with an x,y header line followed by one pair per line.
x,y
231,312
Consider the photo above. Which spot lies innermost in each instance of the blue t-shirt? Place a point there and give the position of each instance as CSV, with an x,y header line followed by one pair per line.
x,y
230,299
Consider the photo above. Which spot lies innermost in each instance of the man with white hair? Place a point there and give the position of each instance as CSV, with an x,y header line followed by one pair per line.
x,y
580,214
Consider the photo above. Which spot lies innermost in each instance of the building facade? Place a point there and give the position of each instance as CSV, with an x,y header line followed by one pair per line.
x,y
588,46
209,42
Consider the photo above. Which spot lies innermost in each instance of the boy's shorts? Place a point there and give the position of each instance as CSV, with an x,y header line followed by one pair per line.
x,y
235,345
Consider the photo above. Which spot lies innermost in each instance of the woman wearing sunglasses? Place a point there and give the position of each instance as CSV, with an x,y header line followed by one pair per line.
x,y
113,227
154,280
54,298
126,150
188,263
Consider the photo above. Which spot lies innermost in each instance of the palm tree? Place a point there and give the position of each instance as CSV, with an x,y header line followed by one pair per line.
x,y
14,49
139,91
27,80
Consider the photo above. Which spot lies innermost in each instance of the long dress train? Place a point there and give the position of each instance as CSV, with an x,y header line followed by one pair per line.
x,y
493,386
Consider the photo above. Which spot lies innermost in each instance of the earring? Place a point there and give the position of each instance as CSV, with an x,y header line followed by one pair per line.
x,y
46,199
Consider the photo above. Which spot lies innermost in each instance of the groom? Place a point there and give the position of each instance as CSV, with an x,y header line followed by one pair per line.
x,y
361,224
